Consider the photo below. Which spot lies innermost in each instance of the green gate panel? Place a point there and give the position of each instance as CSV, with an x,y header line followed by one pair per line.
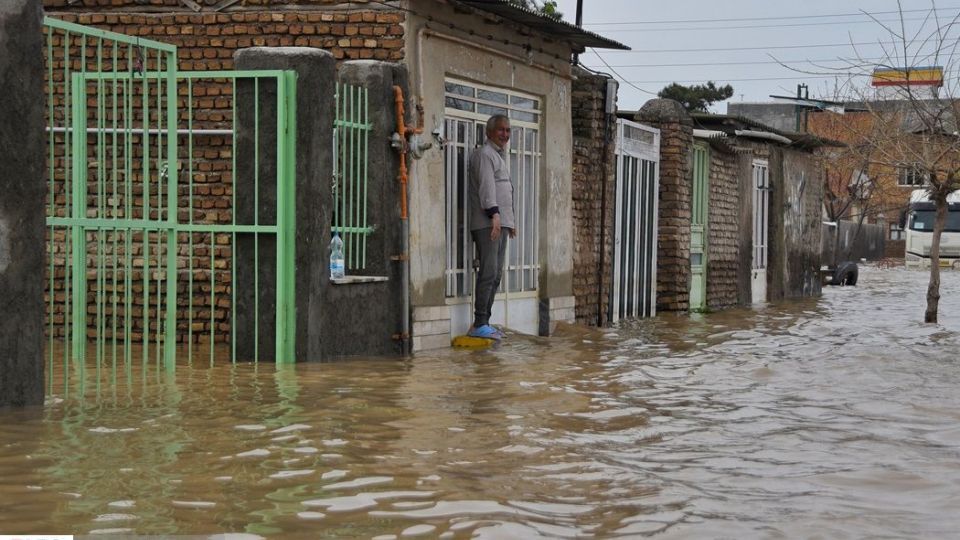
x,y
141,208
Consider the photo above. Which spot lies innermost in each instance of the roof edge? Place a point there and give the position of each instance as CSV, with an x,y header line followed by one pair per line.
x,y
538,21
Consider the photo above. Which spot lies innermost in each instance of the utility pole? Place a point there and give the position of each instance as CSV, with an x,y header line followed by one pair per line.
x,y
576,57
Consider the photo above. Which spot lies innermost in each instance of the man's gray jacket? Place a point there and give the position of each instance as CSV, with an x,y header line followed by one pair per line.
x,y
491,190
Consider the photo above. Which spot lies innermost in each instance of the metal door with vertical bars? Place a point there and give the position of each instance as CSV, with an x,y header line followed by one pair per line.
x,y
634,291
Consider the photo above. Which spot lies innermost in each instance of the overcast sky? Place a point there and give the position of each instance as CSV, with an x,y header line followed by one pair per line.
x,y
690,41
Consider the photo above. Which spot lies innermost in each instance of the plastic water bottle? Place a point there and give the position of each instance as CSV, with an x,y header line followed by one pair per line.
x,y
336,257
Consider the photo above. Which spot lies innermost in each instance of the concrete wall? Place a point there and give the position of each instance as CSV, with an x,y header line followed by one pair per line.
x,y
867,243
594,204
795,210
22,183
782,116
364,318
434,51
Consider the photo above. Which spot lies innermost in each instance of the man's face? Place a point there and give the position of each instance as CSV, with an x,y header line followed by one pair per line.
x,y
500,134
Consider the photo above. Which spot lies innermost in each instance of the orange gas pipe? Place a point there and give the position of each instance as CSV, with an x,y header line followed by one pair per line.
x,y
404,131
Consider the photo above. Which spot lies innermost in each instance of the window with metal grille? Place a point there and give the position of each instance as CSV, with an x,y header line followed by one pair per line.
x,y
351,136
467,108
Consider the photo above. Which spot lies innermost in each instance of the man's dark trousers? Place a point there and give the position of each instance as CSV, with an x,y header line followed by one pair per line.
x,y
492,255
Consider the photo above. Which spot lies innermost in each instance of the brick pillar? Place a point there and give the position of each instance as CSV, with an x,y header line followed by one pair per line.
x,y
21,204
593,197
676,180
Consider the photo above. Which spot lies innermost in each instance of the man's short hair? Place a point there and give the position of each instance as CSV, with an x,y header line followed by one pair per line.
x,y
496,119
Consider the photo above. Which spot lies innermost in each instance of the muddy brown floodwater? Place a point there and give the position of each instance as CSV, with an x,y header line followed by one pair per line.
x,y
830,418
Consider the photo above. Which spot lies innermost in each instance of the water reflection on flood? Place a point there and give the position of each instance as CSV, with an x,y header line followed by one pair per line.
x,y
830,418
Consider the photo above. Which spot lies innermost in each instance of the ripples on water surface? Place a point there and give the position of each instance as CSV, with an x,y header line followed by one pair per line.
x,y
829,418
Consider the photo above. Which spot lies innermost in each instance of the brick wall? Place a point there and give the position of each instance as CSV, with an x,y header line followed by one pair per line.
x,y
177,5
205,41
894,249
723,243
593,180
676,176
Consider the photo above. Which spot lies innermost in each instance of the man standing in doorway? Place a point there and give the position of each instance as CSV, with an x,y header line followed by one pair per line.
x,y
492,219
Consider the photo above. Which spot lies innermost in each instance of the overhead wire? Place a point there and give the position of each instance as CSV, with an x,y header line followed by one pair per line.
x,y
758,26
754,48
773,18
619,77
746,63
803,76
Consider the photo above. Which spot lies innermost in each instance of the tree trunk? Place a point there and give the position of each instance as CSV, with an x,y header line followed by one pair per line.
x,y
836,243
933,289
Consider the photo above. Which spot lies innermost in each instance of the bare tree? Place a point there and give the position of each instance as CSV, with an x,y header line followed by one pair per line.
x,y
853,189
913,125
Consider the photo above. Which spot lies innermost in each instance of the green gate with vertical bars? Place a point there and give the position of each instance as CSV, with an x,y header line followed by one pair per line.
x,y
142,231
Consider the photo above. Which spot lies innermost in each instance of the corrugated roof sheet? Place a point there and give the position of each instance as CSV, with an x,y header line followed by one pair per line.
x,y
730,122
560,29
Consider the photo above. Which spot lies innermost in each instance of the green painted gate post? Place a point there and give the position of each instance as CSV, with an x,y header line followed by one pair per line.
x,y
78,236
286,217
170,323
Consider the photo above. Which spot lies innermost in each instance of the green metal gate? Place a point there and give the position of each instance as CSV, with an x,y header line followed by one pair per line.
x,y
141,222
699,227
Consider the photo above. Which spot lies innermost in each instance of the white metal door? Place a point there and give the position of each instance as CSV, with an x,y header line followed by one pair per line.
x,y
634,291
761,214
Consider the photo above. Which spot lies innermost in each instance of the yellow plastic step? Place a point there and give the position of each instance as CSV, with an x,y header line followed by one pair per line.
x,y
470,342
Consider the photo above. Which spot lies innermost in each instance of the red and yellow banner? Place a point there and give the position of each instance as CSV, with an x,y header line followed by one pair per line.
x,y
919,76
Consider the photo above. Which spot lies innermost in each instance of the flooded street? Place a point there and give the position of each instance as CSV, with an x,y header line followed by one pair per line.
x,y
830,418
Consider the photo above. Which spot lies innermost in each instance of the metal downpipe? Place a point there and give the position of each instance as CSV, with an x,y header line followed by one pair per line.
x,y
400,143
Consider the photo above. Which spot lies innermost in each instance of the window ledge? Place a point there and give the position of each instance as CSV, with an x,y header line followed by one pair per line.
x,y
351,280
